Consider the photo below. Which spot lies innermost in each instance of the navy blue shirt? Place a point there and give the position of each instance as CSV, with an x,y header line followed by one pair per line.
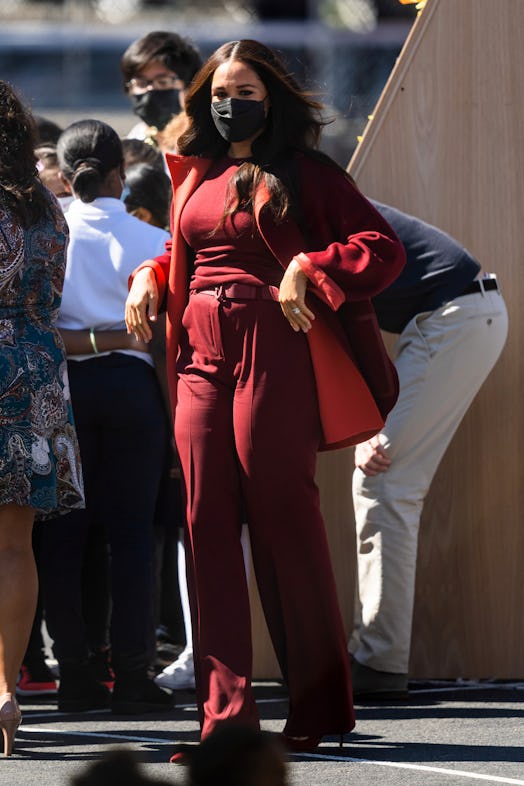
x,y
437,270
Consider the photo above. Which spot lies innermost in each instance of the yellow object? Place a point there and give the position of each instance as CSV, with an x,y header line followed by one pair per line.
x,y
419,3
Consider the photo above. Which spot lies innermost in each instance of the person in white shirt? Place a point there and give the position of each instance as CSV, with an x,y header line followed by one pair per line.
x,y
119,414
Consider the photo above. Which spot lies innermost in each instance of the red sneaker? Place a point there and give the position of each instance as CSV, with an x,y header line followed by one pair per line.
x,y
179,758
36,681
100,664
182,756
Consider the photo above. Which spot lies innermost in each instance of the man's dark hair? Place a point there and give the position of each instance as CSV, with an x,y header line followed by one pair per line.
x,y
116,768
178,54
235,754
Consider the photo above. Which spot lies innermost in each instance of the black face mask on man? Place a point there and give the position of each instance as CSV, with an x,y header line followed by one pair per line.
x,y
237,119
156,107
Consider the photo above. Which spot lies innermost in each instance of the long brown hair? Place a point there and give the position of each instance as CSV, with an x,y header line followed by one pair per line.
x,y
21,189
294,124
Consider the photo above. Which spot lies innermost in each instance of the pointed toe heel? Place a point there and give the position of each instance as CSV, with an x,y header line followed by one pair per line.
x,y
10,719
305,744
299,744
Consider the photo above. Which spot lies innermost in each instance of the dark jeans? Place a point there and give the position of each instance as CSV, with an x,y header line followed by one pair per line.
x,y
169,517
123,439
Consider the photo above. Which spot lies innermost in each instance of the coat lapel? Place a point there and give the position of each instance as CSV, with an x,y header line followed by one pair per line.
x,y
187,172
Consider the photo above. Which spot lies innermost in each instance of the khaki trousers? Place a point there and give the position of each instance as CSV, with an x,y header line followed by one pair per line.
x,y
443,357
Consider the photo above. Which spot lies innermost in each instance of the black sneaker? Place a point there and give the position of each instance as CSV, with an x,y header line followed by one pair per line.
x,y
373,685
79,690
36,679
100,665
135,693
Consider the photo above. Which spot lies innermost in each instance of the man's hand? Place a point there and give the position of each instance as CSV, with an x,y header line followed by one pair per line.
x,y
372,457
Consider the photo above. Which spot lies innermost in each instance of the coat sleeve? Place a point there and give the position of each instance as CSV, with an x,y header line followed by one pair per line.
x,y
160,266
353,252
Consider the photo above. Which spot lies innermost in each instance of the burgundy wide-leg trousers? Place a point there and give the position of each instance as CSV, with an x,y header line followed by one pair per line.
x,y
247,431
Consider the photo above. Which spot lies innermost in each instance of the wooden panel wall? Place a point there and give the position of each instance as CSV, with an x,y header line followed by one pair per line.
x,y
446,142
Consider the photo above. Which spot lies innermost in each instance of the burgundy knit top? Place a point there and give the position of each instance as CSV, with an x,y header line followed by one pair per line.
x,y
232,252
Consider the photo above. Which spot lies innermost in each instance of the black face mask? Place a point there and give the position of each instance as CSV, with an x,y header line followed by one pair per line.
x,y
237,119
156,107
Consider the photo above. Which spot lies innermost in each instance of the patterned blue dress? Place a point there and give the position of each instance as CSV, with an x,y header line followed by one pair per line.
x,y
39,455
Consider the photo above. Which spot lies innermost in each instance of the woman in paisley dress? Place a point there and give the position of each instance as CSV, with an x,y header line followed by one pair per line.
x,y
40,472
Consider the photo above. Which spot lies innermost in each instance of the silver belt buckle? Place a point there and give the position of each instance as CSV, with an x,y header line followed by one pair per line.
x,y
488,277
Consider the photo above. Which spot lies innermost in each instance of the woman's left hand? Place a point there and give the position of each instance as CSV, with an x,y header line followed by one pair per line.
x,y
292,298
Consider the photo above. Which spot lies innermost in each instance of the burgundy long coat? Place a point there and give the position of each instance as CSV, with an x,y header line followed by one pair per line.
x,y
351,254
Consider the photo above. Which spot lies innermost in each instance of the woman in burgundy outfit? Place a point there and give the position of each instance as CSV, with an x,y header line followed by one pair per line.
x,y
266,284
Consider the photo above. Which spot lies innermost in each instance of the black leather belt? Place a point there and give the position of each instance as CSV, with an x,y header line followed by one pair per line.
x,y
481,285
240,292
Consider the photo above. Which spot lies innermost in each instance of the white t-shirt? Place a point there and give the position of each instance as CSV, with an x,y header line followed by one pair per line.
x,y
106,243
139,131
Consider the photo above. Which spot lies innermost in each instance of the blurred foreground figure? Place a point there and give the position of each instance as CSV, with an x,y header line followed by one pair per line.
x,y
238,756
116,768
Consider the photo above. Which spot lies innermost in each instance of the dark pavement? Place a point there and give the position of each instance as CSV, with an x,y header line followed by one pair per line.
x,y
445,733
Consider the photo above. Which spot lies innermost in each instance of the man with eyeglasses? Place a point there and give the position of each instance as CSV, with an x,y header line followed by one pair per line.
x,y
156,70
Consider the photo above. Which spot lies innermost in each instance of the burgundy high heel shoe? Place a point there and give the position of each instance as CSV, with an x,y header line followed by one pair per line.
x,y
303,744
10,719
182,754
299,744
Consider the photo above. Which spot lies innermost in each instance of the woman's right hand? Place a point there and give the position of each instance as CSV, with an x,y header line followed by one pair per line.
x,y
142,304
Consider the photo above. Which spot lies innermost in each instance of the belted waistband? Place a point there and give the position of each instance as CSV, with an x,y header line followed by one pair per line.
x,y
481,285
240,292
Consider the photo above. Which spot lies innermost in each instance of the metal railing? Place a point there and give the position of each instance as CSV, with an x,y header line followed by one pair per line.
x,y
359,15
64,58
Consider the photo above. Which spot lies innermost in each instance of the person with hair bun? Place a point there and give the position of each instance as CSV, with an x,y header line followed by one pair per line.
x,y
273,352
40,472
119,411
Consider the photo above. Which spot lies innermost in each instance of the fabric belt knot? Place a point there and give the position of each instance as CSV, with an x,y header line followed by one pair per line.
x,y
226,292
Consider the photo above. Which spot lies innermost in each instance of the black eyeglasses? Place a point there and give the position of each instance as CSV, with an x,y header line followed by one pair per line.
x,y
138,86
